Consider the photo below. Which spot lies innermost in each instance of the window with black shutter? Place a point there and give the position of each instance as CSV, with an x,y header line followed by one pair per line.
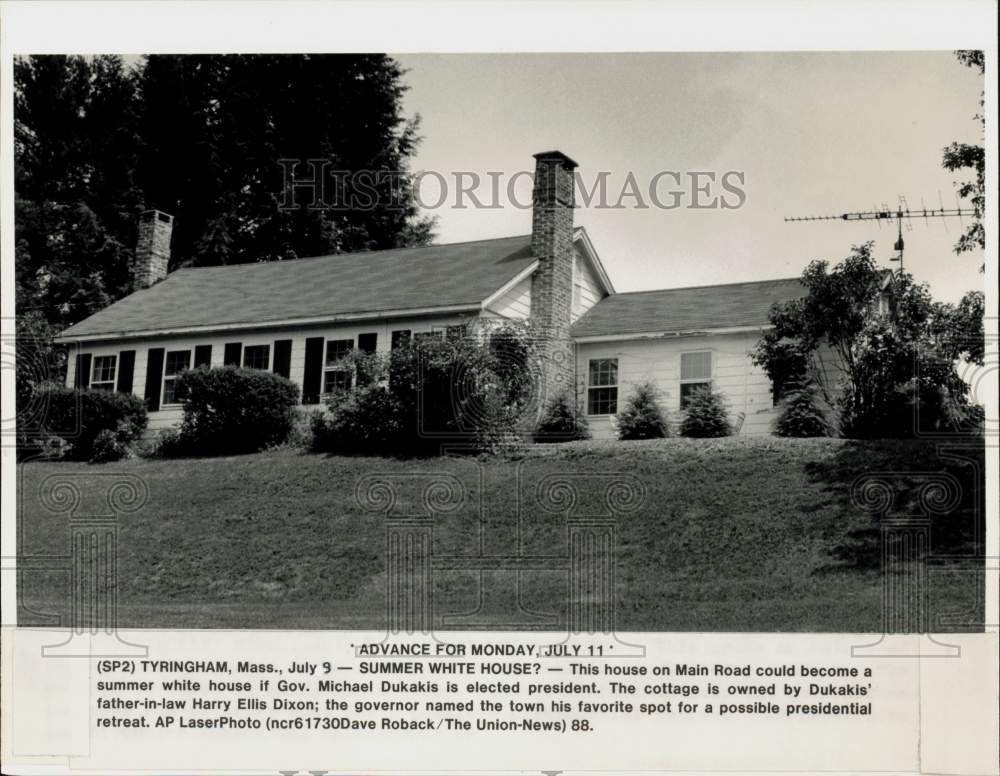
x,y
154,374
312,376
400,338
368,342
81,379
126,369
233,353
202,356
283,358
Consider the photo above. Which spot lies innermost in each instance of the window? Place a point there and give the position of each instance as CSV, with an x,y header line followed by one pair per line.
x,y
336,374
176,362
400,337
102,375
696,373
602,386
423,336
257,357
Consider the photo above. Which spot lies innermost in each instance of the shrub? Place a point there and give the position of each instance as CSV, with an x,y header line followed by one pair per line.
x,y
364,421
705,415
641,417
166,443
94,424
234,410
109,445
561,422
803,414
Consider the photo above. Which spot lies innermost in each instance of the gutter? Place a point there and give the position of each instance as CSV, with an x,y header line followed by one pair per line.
x,y
279,324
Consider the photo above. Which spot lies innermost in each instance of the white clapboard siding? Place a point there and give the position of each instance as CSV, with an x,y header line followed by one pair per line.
x,y
745,386
514,304
590,290
171,416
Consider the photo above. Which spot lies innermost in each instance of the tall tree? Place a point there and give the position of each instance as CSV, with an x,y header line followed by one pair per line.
x,y
966,156
75,203
216,127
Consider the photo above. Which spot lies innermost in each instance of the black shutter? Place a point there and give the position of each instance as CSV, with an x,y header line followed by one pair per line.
x,y
400,338
283,357
313,374
367,342
82,377
126,368
202,356
154,378
232,354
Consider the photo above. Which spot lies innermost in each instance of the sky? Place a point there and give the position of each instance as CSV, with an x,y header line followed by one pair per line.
x,y
813,134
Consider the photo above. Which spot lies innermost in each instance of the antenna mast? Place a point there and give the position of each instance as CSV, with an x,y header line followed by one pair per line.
x,y
886,214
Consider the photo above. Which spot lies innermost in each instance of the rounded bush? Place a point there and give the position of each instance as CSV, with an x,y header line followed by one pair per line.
x,y
96,425
705,415
234,410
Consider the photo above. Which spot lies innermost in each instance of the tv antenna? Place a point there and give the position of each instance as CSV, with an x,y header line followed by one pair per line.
x,y
901,213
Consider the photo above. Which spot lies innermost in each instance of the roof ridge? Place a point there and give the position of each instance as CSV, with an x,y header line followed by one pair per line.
x,y
705,285
351,253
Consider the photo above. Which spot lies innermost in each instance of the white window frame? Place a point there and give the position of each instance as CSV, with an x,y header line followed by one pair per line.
x,y
94,382
327,368
243,359
616,385
694,380
172,377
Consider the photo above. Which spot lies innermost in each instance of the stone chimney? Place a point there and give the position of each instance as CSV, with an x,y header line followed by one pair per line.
x,y
152,249
552,285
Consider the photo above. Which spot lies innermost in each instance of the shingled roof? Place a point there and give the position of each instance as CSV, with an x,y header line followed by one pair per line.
x,y
338,286
676,310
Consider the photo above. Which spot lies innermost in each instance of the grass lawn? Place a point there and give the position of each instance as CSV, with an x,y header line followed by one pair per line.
x,y
732,535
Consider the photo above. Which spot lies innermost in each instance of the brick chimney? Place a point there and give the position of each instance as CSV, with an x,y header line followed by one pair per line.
x,y
552,285
152,249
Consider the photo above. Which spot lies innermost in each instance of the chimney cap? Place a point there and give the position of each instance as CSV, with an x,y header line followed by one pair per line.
x,y
556,156
149,215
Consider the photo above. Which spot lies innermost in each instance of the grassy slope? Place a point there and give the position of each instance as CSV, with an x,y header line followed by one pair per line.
x,y
734,535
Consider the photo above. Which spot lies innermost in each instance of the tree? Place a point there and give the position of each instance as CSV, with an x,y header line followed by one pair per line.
x,y
961,156
215,127
705,415
641,417
875,345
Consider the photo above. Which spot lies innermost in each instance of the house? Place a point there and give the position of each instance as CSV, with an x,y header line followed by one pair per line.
x,y
298,318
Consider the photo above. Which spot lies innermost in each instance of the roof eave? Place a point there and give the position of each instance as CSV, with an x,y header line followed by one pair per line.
x,y
588,247
668,334
68,337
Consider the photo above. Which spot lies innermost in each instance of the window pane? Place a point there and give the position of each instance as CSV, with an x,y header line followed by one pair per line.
x,y
696,366
177,361
423,336
603,371
400,337
688,389
103,372
256,356
168,391
602,401
335,380
336,350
